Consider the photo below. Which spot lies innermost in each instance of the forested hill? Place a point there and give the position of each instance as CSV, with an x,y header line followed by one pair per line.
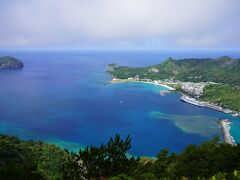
x,y
8,62
220,70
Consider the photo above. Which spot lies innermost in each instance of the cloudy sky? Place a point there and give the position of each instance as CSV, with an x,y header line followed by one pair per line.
x,y
120,23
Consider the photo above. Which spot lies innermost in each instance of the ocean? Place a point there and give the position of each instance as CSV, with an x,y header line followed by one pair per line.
x,y
65,97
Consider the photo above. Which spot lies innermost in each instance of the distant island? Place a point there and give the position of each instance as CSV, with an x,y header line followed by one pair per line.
x,y
8,62
213,83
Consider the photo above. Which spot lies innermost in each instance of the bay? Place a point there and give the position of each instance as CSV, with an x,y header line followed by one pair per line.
x,y
66,98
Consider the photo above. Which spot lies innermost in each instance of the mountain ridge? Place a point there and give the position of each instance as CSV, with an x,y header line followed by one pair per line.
x,y
220,70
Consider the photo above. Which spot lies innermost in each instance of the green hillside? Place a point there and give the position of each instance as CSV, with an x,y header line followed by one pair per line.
x,y
223,70
224,95
219,70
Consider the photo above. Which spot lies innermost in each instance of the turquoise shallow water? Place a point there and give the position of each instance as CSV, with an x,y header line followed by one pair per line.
x,y
66,98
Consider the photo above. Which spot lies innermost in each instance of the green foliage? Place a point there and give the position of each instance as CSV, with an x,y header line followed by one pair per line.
x,y
223,95
50,160
107,160
73,168
121,177
205,160
16,160
165,164
221,70
29,160
144,169
35,160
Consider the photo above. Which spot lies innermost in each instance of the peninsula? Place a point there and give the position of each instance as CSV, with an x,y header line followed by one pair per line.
x,y
8,62
213,83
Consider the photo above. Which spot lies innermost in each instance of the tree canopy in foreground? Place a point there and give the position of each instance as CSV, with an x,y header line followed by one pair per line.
x,y
36,160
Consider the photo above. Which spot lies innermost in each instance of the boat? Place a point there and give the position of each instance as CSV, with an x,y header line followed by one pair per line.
x,y
192,101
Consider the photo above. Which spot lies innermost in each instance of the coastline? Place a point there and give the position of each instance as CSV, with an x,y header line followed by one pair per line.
x,y
225,124
171,89
115,80
209,105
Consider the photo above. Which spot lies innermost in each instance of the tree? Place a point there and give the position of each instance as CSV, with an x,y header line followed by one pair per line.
x,y
108,160
16,160
73,168
117,161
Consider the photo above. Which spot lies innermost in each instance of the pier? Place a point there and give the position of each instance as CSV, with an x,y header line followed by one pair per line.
x,y
214,107
164,92
224,123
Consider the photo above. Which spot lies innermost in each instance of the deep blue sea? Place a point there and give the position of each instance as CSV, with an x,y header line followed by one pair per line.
x,y
66,98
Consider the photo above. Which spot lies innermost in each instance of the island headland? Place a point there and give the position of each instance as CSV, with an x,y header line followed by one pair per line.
x,y
8,62
205,82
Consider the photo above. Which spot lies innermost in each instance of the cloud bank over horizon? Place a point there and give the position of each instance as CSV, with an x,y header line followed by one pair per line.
x,y
120,23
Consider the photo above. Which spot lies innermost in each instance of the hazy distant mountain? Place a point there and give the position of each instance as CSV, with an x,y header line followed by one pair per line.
x,y
8,62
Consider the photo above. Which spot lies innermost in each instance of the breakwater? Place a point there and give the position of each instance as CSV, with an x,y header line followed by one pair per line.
x,y
225,128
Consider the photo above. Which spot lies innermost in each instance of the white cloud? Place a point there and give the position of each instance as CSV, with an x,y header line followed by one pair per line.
x,y
198,23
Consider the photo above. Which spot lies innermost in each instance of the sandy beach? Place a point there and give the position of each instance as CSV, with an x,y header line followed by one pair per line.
x,y
114,80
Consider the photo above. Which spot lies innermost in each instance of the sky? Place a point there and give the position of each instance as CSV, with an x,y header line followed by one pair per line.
x,y
120,24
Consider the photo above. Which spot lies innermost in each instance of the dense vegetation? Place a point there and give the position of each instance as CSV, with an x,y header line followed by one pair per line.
x,y
223,70
105,161
36,160
8,62
29,160
224,95
220,70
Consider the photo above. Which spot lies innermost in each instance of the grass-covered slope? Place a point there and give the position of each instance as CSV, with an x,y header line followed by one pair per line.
x,y
224,95
8,62
219,70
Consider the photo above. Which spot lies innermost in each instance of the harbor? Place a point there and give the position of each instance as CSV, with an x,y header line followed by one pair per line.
x,y
191,92
225,129
191,101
